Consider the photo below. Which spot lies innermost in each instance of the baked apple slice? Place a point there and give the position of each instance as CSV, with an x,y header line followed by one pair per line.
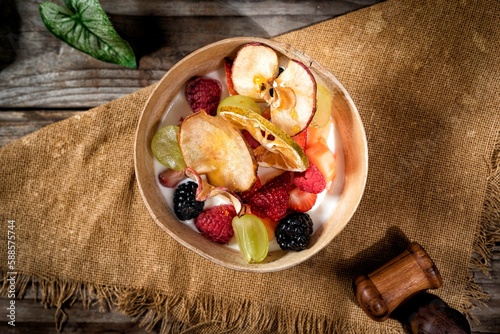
x,y
212,147
291,95
293,102
205,190
254,69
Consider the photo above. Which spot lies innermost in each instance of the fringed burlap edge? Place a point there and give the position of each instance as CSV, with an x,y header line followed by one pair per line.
x,y
163,313
487,235
159,312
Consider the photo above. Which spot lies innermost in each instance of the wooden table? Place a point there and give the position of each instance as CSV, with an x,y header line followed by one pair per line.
x,y
49,81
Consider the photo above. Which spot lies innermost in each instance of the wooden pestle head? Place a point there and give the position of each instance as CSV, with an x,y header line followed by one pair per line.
x,y
382,291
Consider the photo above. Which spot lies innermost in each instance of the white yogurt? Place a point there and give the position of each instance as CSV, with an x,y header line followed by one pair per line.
x,y
326,202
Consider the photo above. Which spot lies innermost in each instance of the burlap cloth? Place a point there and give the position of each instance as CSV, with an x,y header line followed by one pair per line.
x,y
425,76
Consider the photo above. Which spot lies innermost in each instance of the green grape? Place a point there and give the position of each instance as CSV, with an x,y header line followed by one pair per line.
x,y
323,107
252,238
166,149
240,101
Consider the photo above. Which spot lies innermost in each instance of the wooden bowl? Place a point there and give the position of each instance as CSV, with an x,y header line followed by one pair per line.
x,y
348,124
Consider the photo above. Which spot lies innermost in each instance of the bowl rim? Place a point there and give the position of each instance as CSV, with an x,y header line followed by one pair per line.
x,y
312,64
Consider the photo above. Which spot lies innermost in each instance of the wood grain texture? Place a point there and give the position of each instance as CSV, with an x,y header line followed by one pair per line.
x,y
48,73
487,316
32,317
42,81
15,124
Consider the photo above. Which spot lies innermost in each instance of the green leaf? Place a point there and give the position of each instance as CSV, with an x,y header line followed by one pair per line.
x,y
85,26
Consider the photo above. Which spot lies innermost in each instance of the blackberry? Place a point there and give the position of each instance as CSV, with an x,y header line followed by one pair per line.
x,y
185,204
294,231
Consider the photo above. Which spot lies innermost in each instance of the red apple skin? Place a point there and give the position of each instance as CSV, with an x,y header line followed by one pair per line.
x,y
245,69
290,94
283,84
315,91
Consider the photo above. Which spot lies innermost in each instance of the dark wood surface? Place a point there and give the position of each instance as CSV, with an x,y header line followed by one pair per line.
x,y
42,81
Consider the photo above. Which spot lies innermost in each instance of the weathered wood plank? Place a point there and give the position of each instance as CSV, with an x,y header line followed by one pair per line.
x,y
489,315
15,124
32,317
493,274
49,74
220,7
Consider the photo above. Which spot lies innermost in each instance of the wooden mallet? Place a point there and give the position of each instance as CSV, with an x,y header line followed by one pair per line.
x,y
398,288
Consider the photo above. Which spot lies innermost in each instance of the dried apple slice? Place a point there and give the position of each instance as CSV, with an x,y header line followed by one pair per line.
x,y
206,190
228,65
254,69
211,146
291,95
294,98
278,150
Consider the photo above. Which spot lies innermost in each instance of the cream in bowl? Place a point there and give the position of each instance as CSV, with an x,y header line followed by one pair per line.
x,y
251,154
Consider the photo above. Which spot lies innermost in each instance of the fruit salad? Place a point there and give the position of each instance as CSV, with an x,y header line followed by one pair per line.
x,y
249,155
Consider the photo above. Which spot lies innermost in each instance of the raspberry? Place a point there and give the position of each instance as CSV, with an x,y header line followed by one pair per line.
x,y
245,195
203,94
311,180
284,179
215,223
271,204
185,204
271,200
294,231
